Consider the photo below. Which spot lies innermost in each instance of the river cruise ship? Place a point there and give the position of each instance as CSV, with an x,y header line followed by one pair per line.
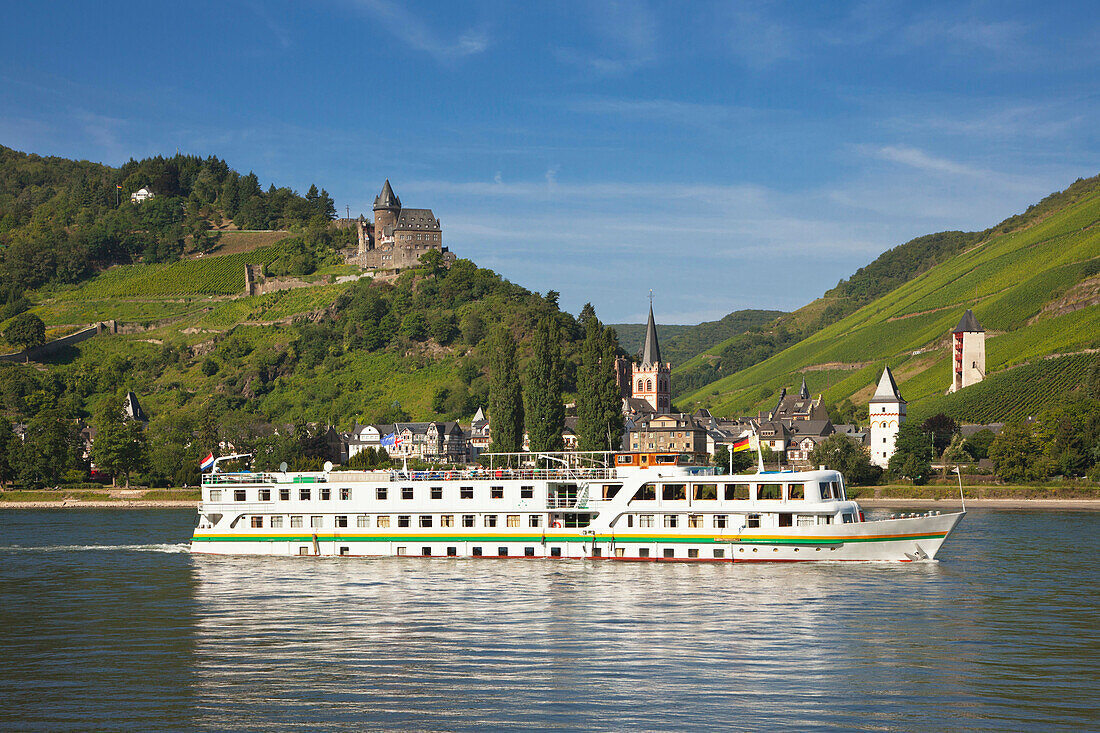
x,y
624,506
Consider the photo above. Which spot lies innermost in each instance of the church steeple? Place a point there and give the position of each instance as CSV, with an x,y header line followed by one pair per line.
x,y
804,393
651,352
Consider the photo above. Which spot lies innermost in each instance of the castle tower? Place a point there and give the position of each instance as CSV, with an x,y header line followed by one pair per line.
x,y
364,236
650,379
887,413
387,207
967,352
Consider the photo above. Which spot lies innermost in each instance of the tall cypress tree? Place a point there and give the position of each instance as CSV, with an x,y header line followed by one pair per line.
x,y
599,404
505,398
543,407
612,422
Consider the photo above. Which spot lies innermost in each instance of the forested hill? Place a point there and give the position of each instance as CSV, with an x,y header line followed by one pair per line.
x,y
62,221
1032,281
680,343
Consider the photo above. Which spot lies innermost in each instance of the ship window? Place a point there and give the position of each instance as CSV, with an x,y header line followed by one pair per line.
x,y
257,522
705,492
848,517
466,492
490,520
513,520
838,491
646,492
426,551
721,521
796,491
555,552
406,492
265,494
277,522
383,522
345,550
528,551
804,520
400,551
718,552
476,551
326,494
345,494
303,550
239,495
452,552
695,521
284,494
674,492
643,552
785,519
752,521
447,520
645,520
215,494
527,492
380,493
535,520
629,520
295,521
362,520
467,520
671,520
502,552
769,492
425,520
737,492
620,552
437,492
693,552
403,520
342,521
496,492
303,494
826,490
669,552
316,521
610,490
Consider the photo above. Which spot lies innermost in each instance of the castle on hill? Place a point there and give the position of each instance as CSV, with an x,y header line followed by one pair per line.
x,y
398,237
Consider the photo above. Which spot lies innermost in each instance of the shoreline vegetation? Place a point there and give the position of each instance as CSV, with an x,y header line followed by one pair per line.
x,y
1044,496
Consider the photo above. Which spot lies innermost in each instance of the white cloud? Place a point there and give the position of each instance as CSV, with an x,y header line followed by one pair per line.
x,y
418,35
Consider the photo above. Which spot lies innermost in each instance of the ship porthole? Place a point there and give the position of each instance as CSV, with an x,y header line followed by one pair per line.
x,y
755,549
796,549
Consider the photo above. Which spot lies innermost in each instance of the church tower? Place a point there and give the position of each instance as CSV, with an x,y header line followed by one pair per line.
x,y
967,352
387,207
887,413
650,379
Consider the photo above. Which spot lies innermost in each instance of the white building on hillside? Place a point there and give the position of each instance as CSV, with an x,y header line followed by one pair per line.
x,y
887,412
967,352
142,194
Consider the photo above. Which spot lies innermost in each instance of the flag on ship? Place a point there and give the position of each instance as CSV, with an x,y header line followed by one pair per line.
x,y
742,444
207,462
391,439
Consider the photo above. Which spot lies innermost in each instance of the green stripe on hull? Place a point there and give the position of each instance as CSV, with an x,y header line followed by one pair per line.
x,y
569,538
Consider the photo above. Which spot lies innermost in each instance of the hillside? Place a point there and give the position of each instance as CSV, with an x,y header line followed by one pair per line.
x,y
1032,281
681,343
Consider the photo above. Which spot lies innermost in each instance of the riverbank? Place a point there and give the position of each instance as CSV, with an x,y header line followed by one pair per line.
x,y
953,505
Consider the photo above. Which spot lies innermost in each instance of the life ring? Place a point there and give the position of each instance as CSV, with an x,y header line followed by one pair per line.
x,y
556,524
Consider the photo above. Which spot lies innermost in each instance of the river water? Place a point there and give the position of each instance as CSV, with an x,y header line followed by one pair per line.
x,y
108,623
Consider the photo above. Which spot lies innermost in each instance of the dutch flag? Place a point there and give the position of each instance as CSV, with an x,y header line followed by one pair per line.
x,y
207,462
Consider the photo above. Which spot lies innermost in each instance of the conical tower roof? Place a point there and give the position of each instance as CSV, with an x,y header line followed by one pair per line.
x,y
804,393
651,352
968,323
887,390
387,199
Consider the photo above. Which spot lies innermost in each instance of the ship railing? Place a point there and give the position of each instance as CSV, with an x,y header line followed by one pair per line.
x,y
222,479
508,474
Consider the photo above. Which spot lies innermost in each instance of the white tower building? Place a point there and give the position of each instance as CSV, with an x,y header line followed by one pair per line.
x,y
967,352
887,412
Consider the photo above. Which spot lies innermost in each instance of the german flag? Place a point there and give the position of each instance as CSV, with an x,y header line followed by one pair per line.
x,y
742,444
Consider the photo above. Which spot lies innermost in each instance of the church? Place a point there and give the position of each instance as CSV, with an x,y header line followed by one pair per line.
x,y
398,237
646,386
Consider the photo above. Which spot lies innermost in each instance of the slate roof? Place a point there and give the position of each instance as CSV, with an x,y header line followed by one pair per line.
x,y
387,199
968,323
419,219
887,388
651,352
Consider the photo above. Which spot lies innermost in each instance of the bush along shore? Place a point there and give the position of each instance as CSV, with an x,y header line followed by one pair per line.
x,y
106,497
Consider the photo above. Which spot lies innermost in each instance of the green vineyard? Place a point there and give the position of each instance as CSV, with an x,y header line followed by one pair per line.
x,y
210,276
1014,394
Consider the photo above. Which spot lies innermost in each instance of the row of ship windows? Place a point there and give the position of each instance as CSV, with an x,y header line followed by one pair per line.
x,y
643,521
648,492
668,553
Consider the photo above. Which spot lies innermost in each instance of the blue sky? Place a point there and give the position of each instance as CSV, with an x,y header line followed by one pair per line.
x,y
726,155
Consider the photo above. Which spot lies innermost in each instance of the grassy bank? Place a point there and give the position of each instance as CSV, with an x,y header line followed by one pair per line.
x,y
984,491
62,494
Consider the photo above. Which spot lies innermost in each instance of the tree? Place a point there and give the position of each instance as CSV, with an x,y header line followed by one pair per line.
x,y
9,451
1016,454
977,445
940,429
119,447
26,330
414,327
542,404
912,454
599,405
505,393
51,447
841,453
432,261
743,460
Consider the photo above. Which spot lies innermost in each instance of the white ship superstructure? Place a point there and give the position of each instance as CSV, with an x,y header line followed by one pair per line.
x,y
636,506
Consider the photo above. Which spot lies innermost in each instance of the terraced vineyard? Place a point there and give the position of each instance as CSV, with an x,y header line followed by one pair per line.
x,y
1014,394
